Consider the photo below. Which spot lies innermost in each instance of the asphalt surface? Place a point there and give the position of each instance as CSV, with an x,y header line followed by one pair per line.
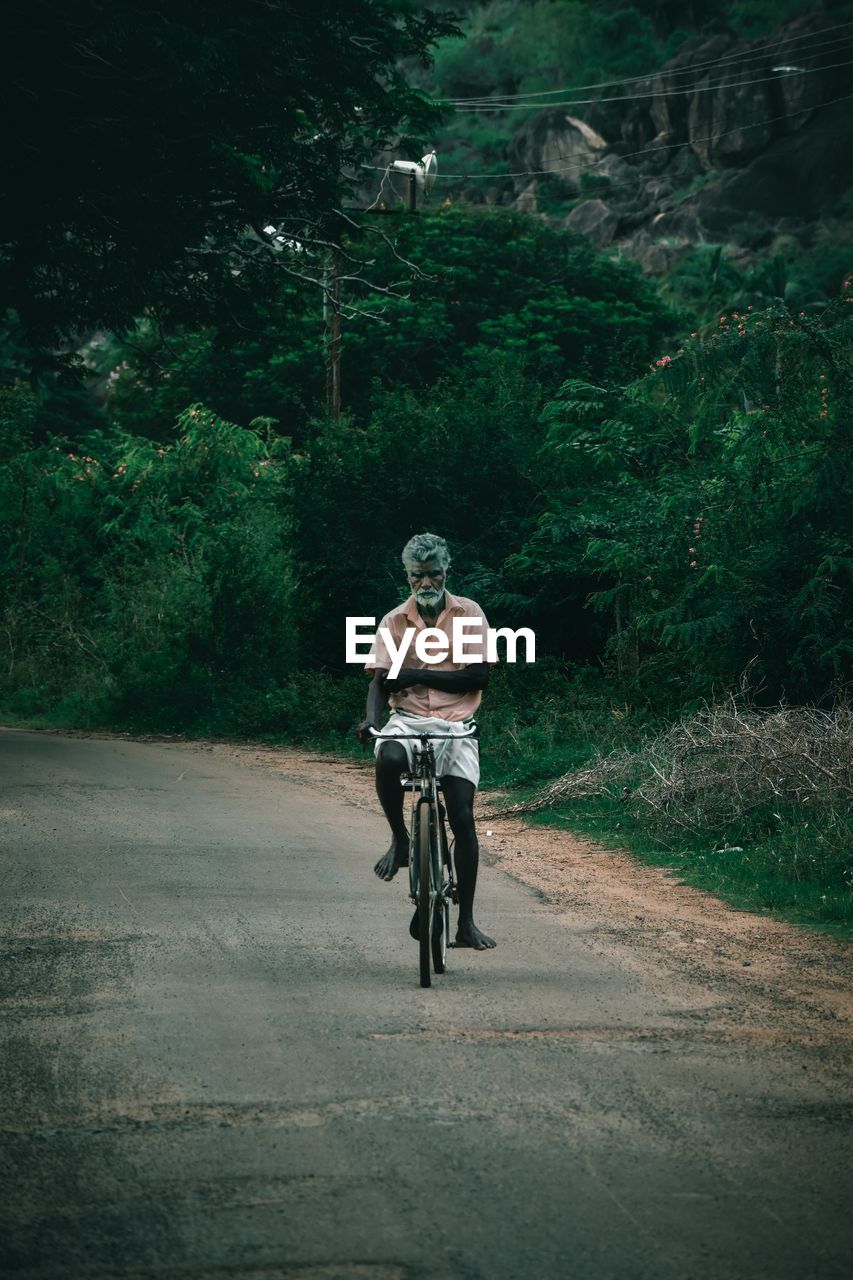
x,y
217,1062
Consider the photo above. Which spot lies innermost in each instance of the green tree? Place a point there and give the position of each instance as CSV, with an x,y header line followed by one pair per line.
x,y
469,282
496,279
456,459
708,503
151,584
145,137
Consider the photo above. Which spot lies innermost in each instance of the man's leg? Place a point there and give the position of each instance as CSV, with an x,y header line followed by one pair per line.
x,y
390,763
459,802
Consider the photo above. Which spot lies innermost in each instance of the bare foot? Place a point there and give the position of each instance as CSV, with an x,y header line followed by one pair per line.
x,y
396,857
468,935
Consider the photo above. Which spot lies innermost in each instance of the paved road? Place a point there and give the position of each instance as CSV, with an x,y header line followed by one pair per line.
x,y
217,1062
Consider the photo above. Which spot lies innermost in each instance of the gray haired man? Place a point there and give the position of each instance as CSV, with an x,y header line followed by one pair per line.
x,y
441,696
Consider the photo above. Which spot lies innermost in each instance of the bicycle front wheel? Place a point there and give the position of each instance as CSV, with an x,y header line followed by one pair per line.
x,y
441,910
423,853
440,930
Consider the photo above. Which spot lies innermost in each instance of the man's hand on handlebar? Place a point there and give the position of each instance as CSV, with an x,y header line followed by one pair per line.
x,y
362,733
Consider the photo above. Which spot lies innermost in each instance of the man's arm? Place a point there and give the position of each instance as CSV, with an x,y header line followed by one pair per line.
x,y
377,701
475,676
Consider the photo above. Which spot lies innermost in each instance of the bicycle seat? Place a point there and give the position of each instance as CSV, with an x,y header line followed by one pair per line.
x,y
408,784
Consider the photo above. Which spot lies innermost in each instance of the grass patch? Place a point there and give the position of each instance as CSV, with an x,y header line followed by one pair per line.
x,y
793,874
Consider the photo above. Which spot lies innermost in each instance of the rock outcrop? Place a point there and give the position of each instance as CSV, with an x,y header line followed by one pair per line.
x,y
730,132
595,219
558,143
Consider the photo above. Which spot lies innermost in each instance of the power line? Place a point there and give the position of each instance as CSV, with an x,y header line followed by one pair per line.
x,y
525,100
670,146
746,54
608,84
801,55
739,62
666,93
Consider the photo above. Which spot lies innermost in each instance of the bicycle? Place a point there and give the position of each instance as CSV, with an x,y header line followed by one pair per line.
x,y
432,885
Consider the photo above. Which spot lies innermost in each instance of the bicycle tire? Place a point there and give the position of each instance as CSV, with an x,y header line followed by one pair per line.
x,y
425,896
440,929
441,920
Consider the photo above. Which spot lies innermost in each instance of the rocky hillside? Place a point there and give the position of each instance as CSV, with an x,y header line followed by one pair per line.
x,y
741,140
728,161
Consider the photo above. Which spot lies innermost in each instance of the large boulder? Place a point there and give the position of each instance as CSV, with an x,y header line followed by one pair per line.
x,y
760,94
728,98
668,104
558,144
729,121
594,219
655,256
799,176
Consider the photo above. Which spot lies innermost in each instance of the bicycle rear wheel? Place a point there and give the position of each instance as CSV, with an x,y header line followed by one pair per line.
x,y
423,853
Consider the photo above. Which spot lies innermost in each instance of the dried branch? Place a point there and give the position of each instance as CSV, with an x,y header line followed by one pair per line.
x,y
726,761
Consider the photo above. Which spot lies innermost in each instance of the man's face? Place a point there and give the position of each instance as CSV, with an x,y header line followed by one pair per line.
x,y
426,578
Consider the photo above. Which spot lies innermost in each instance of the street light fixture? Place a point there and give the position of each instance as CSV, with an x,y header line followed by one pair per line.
x,y
408,177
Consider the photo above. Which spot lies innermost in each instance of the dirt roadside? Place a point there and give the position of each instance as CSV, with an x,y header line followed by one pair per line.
x,y
758,979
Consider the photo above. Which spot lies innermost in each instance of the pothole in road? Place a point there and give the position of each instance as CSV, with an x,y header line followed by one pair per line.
x,y
63,975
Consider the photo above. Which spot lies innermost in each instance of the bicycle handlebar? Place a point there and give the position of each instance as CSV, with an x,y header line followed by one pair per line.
x,y
389,737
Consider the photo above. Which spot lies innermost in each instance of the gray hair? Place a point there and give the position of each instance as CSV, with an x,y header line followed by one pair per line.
x,y
426,546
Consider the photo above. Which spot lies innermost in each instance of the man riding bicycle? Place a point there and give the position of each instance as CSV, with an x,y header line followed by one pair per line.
x,y
436,697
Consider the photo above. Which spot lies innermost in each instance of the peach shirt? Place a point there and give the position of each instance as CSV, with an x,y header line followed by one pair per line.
x,y
419,700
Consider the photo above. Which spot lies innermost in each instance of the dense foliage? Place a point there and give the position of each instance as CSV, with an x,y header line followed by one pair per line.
x,y
463,284
711,503
687,526
145,584
146,138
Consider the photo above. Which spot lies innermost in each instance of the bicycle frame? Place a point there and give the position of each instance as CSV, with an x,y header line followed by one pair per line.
x,y
434,905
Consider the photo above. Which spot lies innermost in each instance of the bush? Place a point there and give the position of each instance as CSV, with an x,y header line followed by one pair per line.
x,y
148,581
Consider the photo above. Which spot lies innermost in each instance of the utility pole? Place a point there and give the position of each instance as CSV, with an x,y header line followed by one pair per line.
x,y
332,334
417,175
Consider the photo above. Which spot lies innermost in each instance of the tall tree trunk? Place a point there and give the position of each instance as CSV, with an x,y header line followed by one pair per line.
x,y
627,652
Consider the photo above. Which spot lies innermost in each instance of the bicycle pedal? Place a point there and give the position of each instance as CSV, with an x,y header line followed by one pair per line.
x,y
454,896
